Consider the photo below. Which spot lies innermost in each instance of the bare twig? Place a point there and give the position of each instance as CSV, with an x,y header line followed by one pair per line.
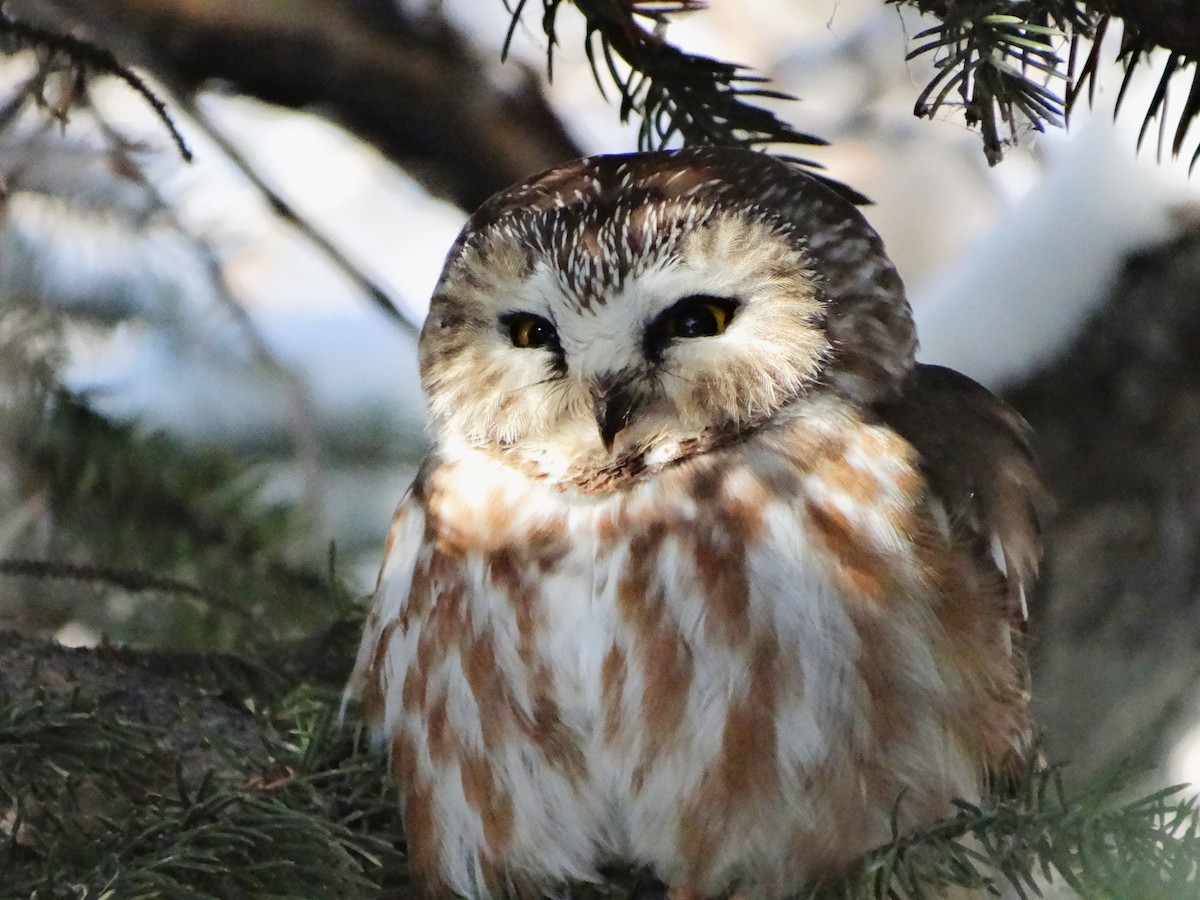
x,y
11,107
133,580
285,211
299,400
85,53
185,99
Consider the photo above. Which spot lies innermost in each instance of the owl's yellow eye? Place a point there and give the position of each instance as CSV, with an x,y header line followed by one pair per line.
x,y
530,332
698,320
692,317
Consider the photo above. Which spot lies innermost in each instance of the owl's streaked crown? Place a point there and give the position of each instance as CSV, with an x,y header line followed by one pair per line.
x,y
620,313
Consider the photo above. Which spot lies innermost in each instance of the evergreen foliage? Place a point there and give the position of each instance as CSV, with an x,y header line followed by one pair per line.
x,y
1001,61
94,801
93,798
1031,833
141,514
675,95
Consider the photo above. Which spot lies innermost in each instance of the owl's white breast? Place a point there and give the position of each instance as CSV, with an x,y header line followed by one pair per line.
x,y
673,674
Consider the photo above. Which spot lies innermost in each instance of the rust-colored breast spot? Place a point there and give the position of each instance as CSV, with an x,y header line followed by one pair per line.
x,y
613,673
749,767
667,680
416,689
492,696
743,505
423,837
722,570
438,734
493,806
858,485
372,695
858,565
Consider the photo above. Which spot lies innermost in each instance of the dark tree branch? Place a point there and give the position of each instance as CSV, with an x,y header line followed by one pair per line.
x,y
412,89
311,232
132,580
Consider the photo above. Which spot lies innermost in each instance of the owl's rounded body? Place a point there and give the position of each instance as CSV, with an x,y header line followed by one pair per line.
x,y
737,647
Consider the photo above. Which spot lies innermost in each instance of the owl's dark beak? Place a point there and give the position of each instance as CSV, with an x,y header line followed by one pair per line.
x,y
613,402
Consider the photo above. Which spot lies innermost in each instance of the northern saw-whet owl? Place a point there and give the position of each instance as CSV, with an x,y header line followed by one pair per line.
x,y
703,572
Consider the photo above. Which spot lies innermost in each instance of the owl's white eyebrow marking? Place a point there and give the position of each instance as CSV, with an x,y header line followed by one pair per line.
x,y
702,187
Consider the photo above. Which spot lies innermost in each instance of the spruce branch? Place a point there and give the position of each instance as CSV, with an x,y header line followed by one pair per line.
x,y
83,55
1030,831
676,96
155,788
1009,65
92,800
145,506
1136,47
997,60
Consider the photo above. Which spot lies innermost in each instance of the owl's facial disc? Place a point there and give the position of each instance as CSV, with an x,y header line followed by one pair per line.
x,y
605,344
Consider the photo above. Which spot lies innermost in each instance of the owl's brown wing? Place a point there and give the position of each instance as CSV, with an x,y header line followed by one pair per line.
x,y
976,457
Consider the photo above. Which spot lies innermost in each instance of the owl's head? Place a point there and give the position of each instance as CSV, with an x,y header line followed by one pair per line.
x,y
619,313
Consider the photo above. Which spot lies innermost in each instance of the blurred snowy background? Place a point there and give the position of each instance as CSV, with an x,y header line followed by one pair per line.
x,y
193,308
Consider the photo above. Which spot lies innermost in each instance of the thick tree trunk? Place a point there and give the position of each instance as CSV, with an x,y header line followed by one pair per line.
x,y
1117,420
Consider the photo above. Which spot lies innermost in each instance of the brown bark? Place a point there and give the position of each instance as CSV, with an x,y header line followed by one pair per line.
x,y
191,698
415,90
1117,423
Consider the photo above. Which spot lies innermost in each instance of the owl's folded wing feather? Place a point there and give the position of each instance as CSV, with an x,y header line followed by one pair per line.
x,y
976,457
